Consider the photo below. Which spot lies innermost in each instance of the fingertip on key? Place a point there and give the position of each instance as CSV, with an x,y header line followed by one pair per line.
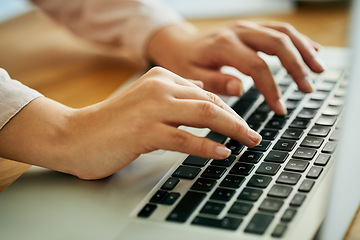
x,y
254,136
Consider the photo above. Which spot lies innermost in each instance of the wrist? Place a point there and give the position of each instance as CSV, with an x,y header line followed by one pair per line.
x,y
168,43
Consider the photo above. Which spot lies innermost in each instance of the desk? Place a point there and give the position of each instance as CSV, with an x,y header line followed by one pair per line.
x,y
44,56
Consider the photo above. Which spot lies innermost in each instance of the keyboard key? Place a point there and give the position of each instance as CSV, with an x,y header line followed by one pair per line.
x,y
292,133
313,142
337,102
263,146
250,194
300,123
329,147
251,157
288,178
240,208
263,108
171,198
235,147
320,96
196,161
186,206
225,223
257,117
288,215
341,92
319,131
327,121
313,104
285,145
332,111
306,185
296,95
186,172
268,168
170,184
280,191
291,104
304,153
203,184
232,181
259,181
314,172
217,137
225,162
322,159
307,114
259,223
276,156
325,86
159,196
213,172
297,200
335,135
242,169
279,231
269,134
147,210
271,205
222,194
296,165
276,122
212,208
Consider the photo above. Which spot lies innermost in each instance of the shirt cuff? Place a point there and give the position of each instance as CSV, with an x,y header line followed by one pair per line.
x,y
13,97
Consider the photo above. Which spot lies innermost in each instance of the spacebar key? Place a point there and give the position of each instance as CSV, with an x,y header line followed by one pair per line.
x,y
186,206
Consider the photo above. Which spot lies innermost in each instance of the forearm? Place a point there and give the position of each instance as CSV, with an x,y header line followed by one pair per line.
x,y
39,135
121,27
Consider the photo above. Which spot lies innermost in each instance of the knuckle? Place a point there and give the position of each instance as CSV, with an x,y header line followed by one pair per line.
x,y
257,64
225,36
286,28
180,139
281,39
203,147
208,109
240,127
157,70
213,98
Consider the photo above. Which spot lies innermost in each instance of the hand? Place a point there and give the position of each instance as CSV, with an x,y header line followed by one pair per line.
x,y
182,50
98,140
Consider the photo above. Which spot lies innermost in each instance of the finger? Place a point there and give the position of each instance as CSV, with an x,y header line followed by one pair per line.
x,y
217,81
248,62
197,94
204,114
168,76
306,47
273,42
198,83
175,139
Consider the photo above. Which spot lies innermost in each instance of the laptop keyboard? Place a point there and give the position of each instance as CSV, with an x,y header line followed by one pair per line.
x,y
255,187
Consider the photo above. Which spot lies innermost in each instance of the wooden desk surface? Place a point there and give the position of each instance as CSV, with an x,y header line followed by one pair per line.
x,y
44,56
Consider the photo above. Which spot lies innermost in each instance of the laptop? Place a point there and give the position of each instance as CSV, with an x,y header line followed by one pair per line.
x,y
304,171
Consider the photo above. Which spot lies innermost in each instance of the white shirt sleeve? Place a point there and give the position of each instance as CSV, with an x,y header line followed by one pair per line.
x,y
121,26
13,97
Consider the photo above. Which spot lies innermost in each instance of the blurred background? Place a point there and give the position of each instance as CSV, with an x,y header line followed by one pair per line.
x,y
191,9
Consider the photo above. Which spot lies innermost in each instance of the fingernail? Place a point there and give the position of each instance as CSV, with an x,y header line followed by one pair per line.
x,y
280,108
309,85
320,63
254,136
233,88
222,152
